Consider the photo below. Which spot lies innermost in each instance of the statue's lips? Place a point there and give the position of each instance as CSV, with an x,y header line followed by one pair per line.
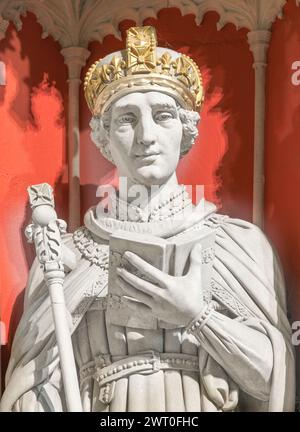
x,y
147,158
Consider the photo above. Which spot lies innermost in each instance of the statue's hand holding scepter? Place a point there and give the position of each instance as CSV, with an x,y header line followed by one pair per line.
x,y
45,232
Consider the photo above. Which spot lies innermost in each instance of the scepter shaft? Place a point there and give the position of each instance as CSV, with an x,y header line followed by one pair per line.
x,y
65,348
45,232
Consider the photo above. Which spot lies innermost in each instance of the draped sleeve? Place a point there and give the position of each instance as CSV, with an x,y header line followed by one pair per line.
x,y
248,282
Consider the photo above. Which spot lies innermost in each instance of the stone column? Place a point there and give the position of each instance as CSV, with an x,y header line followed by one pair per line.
x,y
75,58
259,42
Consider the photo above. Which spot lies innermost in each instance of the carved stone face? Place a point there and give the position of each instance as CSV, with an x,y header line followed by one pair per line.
x,y
145,137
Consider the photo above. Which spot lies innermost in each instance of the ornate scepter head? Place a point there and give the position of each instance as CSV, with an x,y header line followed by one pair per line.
x,y
42,203
43,213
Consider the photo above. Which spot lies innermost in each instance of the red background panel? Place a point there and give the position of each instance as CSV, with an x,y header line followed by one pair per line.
x,y
282,158
33,150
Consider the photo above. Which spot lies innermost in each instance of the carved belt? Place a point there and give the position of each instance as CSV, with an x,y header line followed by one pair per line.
x,y
106,373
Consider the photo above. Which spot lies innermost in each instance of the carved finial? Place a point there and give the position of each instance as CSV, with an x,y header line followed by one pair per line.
x,y
41,194
42,204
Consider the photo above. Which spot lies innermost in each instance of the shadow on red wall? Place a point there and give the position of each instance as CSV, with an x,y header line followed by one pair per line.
x,y
32,146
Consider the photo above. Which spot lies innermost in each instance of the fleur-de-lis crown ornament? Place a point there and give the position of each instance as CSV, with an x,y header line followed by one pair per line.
x,y
143,66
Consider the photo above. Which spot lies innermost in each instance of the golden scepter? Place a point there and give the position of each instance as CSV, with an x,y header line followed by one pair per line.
x,y
45,232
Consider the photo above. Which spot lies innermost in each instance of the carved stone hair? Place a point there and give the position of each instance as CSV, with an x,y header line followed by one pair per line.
x,y
100,131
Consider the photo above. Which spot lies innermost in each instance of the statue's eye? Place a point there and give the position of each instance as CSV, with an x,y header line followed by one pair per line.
x,y
162,116
126,119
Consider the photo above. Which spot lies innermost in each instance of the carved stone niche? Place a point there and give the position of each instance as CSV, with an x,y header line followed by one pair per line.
x,y
75,23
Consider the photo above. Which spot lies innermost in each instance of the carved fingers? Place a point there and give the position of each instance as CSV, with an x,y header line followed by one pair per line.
x,y
174,299
147,269
137,287
135,291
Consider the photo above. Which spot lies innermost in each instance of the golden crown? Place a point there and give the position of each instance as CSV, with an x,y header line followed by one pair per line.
x,y
142,67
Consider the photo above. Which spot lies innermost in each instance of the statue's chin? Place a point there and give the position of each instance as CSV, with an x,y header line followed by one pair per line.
x,y
149,176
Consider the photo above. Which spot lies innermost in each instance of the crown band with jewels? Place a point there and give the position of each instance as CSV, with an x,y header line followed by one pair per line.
x,y
143,67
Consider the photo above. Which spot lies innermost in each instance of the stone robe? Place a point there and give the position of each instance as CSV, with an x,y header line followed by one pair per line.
x,y
230,375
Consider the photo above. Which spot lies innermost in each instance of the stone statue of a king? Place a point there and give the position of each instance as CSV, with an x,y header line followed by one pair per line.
x,y
206,333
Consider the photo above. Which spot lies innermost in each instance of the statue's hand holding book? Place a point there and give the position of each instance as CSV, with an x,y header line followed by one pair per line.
x,y
159,283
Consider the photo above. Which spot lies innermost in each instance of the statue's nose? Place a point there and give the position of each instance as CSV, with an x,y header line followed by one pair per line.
x,y
146,131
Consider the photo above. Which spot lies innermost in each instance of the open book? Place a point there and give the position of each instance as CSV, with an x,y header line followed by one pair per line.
x,y
168,255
